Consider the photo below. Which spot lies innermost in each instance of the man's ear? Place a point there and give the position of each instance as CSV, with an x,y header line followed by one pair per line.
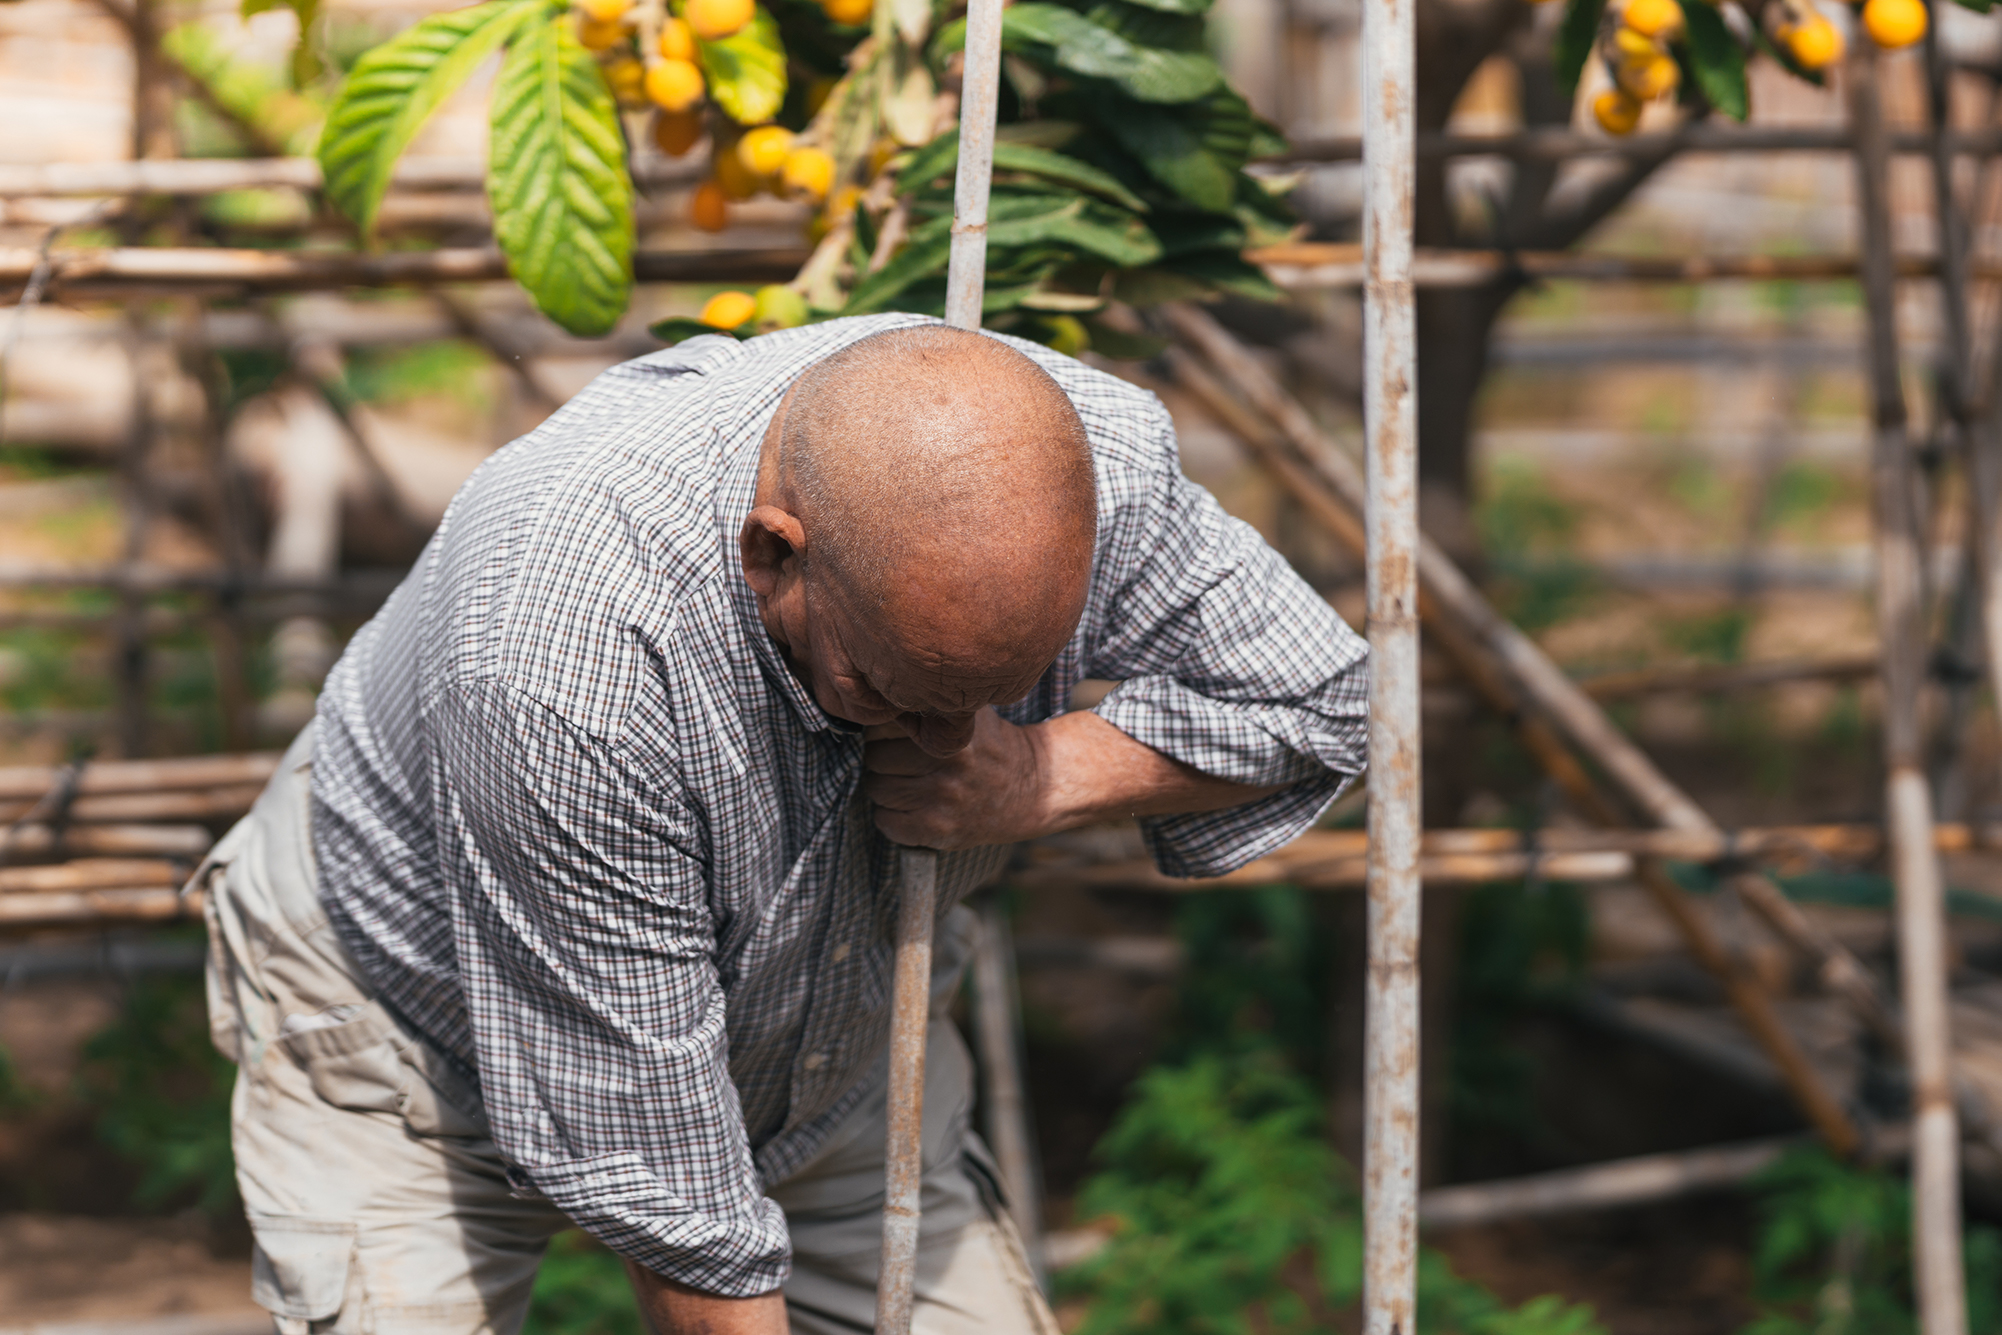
x,y
772,542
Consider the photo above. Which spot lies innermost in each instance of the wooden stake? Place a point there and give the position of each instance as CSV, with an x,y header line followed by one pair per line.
x,y
1937,1277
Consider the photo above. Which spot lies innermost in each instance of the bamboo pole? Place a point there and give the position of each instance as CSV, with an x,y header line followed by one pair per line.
x,y
206,804
1703,137
1391,1068
144,271
213,176
21,842
997,1030
1937,1278
966,276
28,782
1521,682
93,874
91,908
1311,265
221,271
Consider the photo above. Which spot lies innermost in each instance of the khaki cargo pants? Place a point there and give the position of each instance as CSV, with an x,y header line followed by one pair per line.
x,y
380,1205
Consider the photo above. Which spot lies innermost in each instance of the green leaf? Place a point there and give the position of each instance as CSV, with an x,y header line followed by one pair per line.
x,y
395,87
923,255
562,202
1151,27
1716,59
680,328
1079,224
1575,38
1065,170
747,70
1226,271
305,54
1083,47
1177,6
1195,151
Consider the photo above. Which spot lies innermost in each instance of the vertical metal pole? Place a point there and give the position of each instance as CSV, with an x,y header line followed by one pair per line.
x,y
979,97
966,275
1937,1277
1390,413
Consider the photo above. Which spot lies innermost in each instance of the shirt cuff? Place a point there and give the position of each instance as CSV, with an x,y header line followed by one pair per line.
x,y
1315,754
624,1204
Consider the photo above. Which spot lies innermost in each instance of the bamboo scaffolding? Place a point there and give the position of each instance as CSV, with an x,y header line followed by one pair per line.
x,y
218,272
1524,684
1937,1279
1311,265
29,782
997,1024
22,842
1695,137
94,874
104,274
212,176
96,908
1707,677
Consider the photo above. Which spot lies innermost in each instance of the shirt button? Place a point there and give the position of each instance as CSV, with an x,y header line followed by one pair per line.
x,y
841,952
814,1061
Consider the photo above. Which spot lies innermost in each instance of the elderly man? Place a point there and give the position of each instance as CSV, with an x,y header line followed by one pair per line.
x,y
574,905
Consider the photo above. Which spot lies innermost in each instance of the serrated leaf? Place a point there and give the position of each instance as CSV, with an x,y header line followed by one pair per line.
x,y
393,89
1077,44
1576,36
562,202
1978,6
1716,59
747,70
1151,27
924,254
680,328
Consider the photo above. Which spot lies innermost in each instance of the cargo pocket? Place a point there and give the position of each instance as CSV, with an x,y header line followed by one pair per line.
x,y
351,1063
299,1268
367,1064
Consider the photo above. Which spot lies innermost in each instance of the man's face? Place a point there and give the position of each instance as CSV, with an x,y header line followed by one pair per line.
x,y
863,668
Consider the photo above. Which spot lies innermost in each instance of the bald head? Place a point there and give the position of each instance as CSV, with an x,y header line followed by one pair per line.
x,y
942,490
937,464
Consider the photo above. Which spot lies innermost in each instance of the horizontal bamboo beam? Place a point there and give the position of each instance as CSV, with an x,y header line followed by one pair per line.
x,y
1726,676
94,874
116,270
93,908
210,176
143,580
1306,265
203,804
1335,859
1557,145
28,782
164,841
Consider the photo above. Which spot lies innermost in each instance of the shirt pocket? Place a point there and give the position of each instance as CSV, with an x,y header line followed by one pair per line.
x,y
299,1268
367,1064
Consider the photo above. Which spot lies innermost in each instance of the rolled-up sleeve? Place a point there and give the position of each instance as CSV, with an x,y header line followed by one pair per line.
x,y
1229,662
586,950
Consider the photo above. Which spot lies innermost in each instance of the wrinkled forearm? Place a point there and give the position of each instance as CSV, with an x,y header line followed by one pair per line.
x,y
676,1309
1091,771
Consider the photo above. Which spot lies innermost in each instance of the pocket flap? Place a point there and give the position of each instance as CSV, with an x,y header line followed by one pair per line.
x,y
300,1266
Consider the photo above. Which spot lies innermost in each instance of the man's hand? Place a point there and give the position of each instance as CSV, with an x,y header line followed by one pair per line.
x,y
672,1308
1011,783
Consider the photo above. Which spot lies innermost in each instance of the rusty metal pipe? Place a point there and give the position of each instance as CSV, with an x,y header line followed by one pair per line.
x,y
1390,518
979,97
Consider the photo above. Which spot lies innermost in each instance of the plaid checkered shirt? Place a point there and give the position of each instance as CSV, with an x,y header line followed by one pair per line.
x,y
582,829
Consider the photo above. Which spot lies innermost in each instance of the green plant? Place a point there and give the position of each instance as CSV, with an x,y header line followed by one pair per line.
x,y
162,1092
1834,1253
1233,1214
1120,171
582,1289
1526,531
